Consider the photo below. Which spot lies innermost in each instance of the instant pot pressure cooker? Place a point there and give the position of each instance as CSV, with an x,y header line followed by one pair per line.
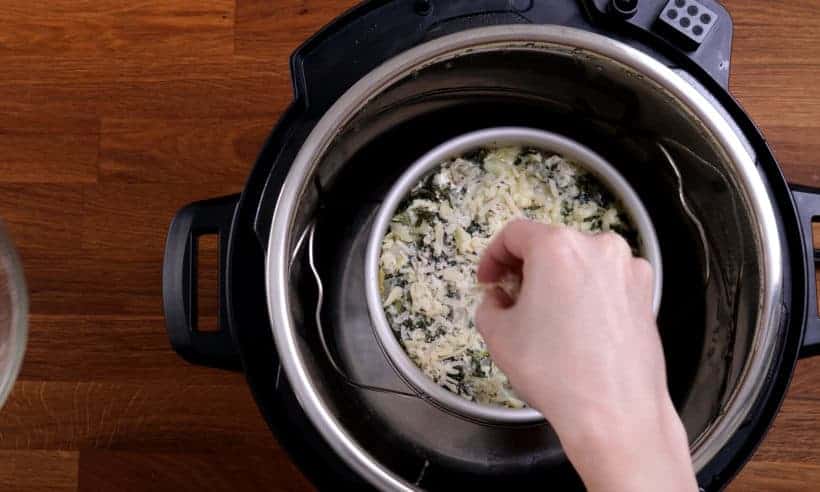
x,y
642,84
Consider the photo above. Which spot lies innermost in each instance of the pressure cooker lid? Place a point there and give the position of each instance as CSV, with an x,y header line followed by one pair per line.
x,y
711,212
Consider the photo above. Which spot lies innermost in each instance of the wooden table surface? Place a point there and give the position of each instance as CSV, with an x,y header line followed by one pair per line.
x,y
115,113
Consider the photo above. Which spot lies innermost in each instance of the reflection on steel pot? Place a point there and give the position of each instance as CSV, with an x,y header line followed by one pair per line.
x,y
738,303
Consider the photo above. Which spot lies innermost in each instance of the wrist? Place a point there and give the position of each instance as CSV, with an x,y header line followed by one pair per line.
x,y
644,450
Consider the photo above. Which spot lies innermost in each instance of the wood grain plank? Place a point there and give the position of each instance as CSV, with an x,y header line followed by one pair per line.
x,y
47,148
109,350
806,380
793,437
59,282
138,215
40,217
45,224
778,95
257,470
165,100
774,61
91,249
39,471
775,32
117,28
102,253
153,417
258,26
109,261
181,151
128,280
104,70
763,476
798,150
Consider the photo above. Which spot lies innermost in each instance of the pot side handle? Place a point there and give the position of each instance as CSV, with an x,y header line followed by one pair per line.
x,y
179,283
807,201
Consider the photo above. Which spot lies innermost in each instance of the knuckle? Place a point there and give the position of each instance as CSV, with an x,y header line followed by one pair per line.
x,y
642,270
520,223
614,243
557,237
540,239
557,244
522,227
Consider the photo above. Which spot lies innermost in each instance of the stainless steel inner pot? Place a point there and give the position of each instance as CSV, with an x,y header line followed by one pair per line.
x,y
492,138
695,175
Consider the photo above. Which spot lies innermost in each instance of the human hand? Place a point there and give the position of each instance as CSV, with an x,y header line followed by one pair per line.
x,y
580,344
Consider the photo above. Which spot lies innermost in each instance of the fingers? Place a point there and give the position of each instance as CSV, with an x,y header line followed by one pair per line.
x,y
642,273
507,250
488,314
498,298
643,279
614,244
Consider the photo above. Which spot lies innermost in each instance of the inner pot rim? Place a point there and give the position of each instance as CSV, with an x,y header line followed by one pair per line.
x,y
535,38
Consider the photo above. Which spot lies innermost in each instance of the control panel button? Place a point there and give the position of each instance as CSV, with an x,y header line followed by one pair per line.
x,y
687,22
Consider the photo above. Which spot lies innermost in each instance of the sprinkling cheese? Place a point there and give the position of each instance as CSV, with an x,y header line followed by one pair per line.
x,y
430,255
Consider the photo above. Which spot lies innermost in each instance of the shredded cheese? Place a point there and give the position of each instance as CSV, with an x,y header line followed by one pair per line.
x,y
430,255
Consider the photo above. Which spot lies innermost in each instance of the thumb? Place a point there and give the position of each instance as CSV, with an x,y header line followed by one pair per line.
x,y
491,310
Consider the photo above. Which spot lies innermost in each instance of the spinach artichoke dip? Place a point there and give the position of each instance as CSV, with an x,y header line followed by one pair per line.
x,y
430,254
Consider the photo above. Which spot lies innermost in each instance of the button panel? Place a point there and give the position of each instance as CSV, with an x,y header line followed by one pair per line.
x,y
690,20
